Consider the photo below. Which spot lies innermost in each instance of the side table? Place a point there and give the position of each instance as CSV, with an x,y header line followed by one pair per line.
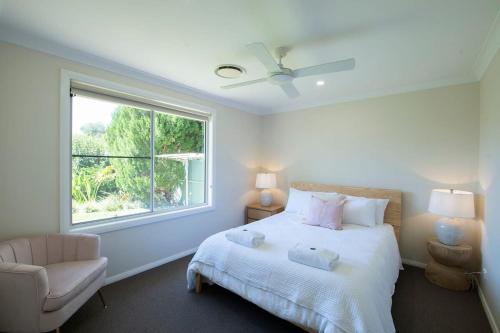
x,y
446,268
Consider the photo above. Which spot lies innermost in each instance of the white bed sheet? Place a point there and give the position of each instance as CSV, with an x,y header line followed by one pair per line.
x,y
355,297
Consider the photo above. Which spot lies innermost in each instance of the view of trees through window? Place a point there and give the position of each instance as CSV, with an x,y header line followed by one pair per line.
x,y
121,165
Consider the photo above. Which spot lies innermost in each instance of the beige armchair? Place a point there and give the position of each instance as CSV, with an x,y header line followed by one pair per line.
x,y
45,279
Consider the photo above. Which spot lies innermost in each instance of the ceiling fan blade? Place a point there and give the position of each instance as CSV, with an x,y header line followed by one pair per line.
x,y
330,67
262,53
290,90
246,83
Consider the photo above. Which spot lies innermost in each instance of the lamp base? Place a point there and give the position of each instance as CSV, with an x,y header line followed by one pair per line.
x,y
266,198
449,231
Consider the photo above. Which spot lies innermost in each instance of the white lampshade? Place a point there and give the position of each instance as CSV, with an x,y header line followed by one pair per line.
x,y
265,180
452,203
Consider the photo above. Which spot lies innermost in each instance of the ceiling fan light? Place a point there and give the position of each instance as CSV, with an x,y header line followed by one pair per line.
x,y
229,71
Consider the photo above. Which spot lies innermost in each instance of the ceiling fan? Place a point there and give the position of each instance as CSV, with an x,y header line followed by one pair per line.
x,y
282,76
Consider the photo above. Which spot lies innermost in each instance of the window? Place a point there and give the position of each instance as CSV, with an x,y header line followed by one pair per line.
x,y
134,157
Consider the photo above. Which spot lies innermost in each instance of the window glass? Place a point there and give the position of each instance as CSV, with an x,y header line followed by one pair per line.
x,y
122,166
179,161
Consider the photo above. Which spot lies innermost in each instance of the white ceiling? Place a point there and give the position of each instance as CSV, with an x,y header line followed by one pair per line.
x,y
398,45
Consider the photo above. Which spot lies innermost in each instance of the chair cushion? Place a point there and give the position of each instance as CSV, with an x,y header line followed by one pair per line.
x,y
68,279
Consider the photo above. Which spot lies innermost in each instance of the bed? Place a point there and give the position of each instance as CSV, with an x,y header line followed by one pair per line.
x,y
355,297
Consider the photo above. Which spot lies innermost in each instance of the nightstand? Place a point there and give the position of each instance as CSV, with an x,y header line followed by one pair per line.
x,y
254,212
446,268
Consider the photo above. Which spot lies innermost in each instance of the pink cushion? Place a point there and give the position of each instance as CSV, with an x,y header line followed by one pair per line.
x,y
68,279
326,213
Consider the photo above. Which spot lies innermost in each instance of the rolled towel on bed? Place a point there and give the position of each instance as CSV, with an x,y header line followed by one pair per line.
x,y
312,256
245,237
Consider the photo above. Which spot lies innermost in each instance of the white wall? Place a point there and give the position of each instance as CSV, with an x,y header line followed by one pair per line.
x,y
489,179
413,142
29,167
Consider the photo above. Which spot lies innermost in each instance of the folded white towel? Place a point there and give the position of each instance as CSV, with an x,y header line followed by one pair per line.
x,y
245,237
312,256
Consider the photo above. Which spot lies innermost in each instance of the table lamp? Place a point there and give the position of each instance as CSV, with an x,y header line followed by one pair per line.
x,y
265,181
453,205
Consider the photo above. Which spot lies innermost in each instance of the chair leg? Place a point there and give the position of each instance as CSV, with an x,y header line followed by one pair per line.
x,y
102,300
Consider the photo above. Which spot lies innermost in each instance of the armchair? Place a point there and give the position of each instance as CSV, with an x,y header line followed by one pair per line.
x,y
45,279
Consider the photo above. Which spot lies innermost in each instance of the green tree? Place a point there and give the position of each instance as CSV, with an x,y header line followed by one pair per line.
x,y
84,144
173,135
129,135
93,129
92,177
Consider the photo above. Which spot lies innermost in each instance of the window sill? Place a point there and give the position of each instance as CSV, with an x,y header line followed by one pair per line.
x,y
137,221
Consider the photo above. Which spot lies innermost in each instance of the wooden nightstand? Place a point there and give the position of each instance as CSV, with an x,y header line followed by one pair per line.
x,y
446,268
254,212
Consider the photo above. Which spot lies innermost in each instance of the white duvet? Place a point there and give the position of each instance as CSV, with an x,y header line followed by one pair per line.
x,y
355,297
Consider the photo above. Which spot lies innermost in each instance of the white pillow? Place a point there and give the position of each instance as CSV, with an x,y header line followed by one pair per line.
x,y
381,206
328,195
298,202
366,212
360,211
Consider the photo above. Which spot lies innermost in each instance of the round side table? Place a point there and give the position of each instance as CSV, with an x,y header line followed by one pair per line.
x,y
446,268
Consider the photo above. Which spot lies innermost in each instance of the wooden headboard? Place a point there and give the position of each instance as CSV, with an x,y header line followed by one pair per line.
x,y
392,212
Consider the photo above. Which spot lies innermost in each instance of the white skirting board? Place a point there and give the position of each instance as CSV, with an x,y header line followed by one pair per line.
x,y
415,263
487,309
151,265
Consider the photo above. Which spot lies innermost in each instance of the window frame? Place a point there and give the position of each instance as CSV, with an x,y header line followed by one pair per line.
x,y
128,221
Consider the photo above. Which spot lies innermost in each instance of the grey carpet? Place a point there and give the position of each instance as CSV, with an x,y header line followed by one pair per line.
x,y
157,301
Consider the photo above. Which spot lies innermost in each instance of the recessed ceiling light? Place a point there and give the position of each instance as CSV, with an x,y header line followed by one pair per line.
x,y
229,71
320,83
